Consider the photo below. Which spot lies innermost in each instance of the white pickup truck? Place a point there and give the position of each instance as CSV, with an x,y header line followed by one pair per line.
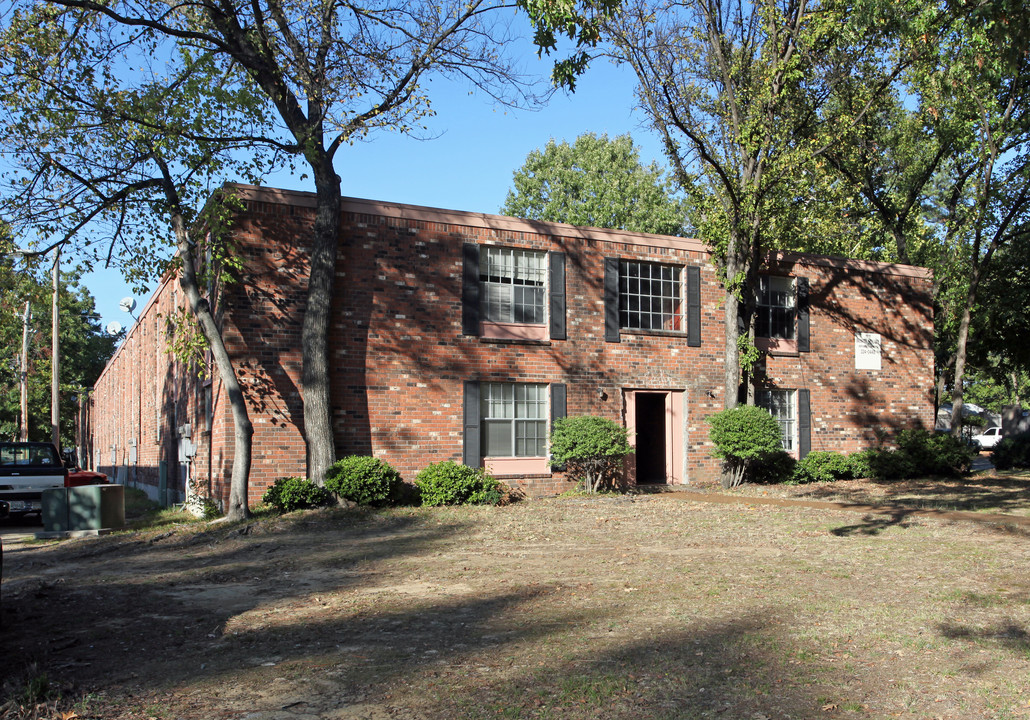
x,y
26,470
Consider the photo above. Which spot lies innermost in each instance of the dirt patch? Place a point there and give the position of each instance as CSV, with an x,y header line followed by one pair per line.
x,y
574,608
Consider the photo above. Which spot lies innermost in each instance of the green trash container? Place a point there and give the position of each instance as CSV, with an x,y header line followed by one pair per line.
x,y
96,507
54,503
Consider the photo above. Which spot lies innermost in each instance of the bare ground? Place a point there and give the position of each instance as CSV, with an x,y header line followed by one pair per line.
x,y
615,607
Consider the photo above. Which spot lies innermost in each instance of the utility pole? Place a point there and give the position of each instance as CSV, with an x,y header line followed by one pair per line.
x,y
55,355
23,427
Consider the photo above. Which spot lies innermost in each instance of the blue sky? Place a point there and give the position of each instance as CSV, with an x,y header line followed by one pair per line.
x,y
469,165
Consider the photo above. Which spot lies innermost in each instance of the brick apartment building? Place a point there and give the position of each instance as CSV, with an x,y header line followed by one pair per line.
x,y
461,336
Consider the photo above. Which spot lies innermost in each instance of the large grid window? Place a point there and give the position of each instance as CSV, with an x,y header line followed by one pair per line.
x,y
650,296
776,310
514,419
781,405
513,285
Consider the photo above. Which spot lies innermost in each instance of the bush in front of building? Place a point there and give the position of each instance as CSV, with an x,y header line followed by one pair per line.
x,y
1012,452
822,466
746,437
919,453
365,480
776,468
448,483
591,448
295,493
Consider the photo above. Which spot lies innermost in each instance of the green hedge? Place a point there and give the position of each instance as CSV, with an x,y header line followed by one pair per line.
x,y
294,493
364,480
448,483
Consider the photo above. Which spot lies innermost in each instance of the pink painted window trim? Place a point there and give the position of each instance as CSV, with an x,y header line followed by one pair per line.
x,y
511,331
777,346
517,466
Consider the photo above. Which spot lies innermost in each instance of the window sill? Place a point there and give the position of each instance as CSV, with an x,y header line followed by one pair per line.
x,y
777,346
489,330
517,466
657,333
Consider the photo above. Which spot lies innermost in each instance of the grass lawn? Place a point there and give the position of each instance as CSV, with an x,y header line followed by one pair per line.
x,y
592,607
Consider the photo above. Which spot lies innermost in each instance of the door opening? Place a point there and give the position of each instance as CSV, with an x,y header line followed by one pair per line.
x,y
650,436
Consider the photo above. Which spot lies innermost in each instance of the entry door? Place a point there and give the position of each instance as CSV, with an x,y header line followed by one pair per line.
x,y
655,421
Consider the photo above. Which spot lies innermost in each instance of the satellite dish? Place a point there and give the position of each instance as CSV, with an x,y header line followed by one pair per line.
x,y
114,327
127,304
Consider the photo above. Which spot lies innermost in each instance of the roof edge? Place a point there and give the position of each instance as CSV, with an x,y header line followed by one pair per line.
x,y
301,198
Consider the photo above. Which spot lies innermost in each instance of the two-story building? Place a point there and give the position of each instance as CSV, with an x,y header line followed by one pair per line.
x,y
462,336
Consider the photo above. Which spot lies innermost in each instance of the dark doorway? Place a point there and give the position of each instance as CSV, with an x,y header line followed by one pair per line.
x,y
650,427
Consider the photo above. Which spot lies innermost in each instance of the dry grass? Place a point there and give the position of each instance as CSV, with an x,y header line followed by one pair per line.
x,y
569,608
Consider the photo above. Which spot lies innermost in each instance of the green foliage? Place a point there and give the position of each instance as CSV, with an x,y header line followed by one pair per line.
x,y
936,453
294,493
745,437
592,449
85,347
448,483
919,453
364,480
777,467
823,466
1012,452
862,463
597,182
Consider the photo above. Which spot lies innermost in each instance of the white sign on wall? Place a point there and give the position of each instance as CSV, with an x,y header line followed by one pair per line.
x,y
867,351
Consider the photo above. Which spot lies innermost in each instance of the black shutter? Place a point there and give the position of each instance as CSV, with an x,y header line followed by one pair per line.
x,y
694,306
804,424
471,452
557,261
611,300
470,289
804,343
559,409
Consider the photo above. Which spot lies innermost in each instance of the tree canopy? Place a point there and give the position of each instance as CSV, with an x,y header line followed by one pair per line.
x,y
599,182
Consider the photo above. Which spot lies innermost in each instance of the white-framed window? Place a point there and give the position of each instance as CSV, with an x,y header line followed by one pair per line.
x,y
651,296
513,285
782,405
514,419
776,312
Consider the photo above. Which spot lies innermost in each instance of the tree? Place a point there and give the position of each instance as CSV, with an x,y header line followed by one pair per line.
x,y
598,182
745,437
591,447
736,90
85,349
107,158
333,74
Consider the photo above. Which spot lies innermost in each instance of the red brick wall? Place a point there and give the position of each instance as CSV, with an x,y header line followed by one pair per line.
x,y
399,358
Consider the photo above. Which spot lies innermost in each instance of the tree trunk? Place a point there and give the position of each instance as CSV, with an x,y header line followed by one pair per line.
x,y
318,422
238,498
960,367
731,331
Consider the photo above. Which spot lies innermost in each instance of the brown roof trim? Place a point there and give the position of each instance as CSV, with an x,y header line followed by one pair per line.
x,y
298,198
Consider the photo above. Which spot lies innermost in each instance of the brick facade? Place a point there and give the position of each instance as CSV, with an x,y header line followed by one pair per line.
x,y
404,362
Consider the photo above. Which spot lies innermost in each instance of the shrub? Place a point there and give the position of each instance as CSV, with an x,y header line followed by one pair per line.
x,y
293,493
364,480
745,437
775,468
822,466
592,449
1012,452
919,453
448,483
862,463
935,453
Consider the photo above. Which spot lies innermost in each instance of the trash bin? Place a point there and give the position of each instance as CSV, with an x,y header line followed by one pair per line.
x,y
96,507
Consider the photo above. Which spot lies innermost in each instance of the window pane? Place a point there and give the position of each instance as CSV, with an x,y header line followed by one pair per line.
x,y
650,296
513,285
780,404
497,438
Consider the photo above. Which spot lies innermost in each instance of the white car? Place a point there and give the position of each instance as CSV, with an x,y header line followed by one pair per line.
x,y
987,439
